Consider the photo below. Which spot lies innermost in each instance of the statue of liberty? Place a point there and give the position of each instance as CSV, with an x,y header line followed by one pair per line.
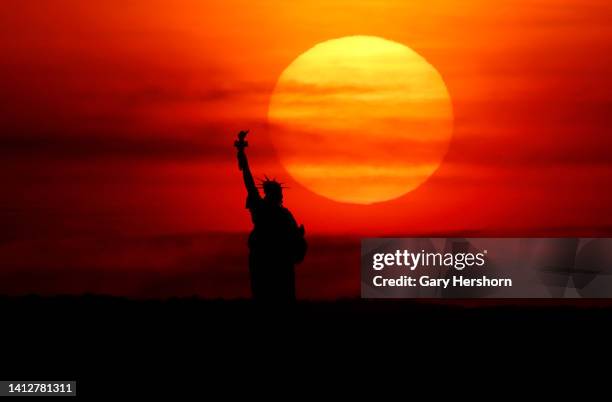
x,y
276,243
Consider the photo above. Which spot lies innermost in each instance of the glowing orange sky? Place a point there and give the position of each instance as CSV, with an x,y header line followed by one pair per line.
x,y
120,116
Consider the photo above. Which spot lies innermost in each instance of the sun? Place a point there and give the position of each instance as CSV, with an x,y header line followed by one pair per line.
x,y
360,119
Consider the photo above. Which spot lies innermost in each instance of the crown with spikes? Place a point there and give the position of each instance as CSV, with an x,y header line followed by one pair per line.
x,y
268,183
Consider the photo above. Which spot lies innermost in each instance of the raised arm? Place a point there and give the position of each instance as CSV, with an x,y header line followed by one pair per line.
x,y
243,164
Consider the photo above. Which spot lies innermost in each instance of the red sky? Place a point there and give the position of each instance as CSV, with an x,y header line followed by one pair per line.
x,y
117,118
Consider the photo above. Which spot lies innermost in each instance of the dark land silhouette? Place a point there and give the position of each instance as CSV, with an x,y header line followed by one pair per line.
x,y
113,346
276,242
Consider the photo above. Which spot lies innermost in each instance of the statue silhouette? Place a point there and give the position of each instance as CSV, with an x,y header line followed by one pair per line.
x,y
276,243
